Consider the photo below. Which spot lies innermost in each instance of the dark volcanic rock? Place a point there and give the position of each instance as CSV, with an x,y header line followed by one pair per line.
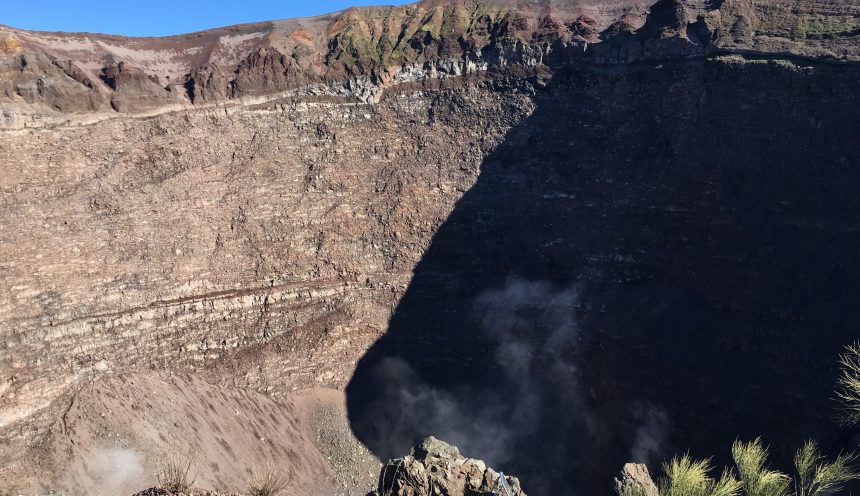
x,y
267,71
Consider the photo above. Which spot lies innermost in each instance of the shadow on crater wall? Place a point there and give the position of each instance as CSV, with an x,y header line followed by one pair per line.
x,y
658,259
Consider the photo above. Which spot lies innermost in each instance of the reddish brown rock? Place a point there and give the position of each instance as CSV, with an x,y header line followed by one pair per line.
x,y
264,232
207,84
379,45
134,90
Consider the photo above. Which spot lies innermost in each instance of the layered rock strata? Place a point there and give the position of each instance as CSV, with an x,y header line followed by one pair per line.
x,y
52,78
269,260
252,204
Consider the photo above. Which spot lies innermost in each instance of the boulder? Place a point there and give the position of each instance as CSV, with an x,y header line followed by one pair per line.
x,y
436,468
635,480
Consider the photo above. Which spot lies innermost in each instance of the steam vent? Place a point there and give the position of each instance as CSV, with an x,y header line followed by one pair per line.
x,y
454,247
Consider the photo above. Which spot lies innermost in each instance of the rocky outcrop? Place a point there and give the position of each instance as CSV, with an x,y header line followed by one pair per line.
x,y
434,467
635,480
42,84
134,91
267,71
207,84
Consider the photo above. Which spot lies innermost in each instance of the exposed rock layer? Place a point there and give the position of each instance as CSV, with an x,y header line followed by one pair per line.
x,y
372,47
270,260
266,245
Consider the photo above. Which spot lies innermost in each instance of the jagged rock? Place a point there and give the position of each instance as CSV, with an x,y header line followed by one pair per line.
x,y
667,18
154,491
434,467
207,84
34,79
635,480
134,89
586,28
267,70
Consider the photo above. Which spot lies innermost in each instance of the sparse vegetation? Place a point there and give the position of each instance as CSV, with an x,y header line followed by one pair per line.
x,y
848,386
400,36
174,471
756,478
816,476
688,477
270,481
819,26
622,489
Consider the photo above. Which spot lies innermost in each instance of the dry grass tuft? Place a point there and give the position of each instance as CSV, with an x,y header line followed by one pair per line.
x,y
173,471
270,481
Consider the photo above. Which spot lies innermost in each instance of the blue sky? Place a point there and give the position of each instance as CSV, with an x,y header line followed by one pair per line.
x,y
161,17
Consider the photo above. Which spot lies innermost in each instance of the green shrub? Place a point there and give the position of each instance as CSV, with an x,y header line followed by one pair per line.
x,y
688,477
816,476
622,489
756,478
848,385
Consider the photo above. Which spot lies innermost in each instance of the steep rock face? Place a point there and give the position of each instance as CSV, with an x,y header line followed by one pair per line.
x,y
207,84
267,71
618,176
133,89
660,258
378,45
265,247
35,78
